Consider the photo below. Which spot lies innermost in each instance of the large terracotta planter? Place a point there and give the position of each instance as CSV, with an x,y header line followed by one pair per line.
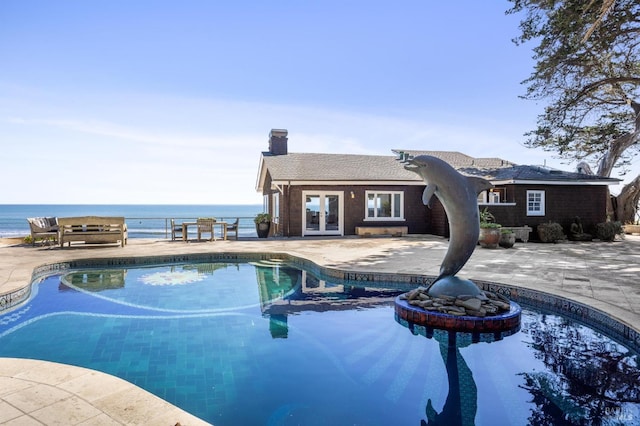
x,y
489,237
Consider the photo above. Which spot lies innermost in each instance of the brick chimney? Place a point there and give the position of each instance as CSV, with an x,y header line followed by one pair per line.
x,y
278,142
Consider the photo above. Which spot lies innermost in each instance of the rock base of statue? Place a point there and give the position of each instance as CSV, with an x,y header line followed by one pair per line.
x,y
481,313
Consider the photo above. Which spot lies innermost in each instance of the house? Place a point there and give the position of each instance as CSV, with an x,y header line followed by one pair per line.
x,y
342,194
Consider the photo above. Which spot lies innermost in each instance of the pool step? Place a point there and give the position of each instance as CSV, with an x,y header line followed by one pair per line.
x,y
268,263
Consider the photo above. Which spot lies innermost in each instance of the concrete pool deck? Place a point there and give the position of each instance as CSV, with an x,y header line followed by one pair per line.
x,y
605,276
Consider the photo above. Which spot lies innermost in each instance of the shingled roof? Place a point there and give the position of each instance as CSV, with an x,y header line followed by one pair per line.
x,y
336,167
499,170
459,160
378,168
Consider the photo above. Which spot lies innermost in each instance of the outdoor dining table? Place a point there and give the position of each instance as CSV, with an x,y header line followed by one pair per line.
x,y
186,225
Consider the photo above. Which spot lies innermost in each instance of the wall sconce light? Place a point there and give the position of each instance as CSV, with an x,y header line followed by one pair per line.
x,y
353,195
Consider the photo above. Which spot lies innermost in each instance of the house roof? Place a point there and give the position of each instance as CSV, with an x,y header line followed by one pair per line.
x,y
335,167
459,160
350,168
498,170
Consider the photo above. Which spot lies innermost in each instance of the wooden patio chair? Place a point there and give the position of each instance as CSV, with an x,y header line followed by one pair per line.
x,y
176,230
206,226
233,227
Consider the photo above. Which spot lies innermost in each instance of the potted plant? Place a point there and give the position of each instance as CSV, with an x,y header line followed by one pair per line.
x,y
507,238
263,224
489,230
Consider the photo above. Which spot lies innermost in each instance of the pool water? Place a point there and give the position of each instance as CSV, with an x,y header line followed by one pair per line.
x,y
268,344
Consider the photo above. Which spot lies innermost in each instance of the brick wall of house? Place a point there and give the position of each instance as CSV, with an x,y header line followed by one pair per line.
x,y
438,221
562,204
291,207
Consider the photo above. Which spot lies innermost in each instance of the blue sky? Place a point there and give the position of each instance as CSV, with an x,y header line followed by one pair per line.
x,y
172,102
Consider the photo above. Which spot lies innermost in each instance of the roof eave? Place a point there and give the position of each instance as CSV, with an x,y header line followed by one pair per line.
x,y
262,174
554,182
294,182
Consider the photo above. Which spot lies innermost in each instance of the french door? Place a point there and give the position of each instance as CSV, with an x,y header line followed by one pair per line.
x,y
323,213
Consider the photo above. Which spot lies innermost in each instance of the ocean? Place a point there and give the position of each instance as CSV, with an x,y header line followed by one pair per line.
x,y
143,221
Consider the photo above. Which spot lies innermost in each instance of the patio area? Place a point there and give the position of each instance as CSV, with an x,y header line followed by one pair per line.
x,y
601,275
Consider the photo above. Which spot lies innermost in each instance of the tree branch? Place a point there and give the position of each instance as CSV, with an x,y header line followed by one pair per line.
x,y
596,85
607,5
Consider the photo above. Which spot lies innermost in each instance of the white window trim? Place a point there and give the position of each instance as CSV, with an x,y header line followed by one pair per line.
x,y
276,207
383,219
542,210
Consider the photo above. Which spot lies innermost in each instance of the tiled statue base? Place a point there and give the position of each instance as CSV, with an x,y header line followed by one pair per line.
x,y
496,326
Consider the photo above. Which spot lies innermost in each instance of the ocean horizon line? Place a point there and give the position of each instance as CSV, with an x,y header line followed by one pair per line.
x,y
130,204
143,220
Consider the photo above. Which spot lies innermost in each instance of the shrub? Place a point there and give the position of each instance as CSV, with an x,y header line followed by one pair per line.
x,y
490,225
551,232
607,231
262,218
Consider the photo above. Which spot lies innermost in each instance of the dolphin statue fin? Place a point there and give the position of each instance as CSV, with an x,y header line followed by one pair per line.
x,y
479,184
427,195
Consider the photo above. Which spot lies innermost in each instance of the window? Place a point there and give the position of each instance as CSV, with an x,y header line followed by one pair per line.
x,y
276,207
385,205
535,203
490,197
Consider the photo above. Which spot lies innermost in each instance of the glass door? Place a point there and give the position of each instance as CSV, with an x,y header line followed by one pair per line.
x,y
323,213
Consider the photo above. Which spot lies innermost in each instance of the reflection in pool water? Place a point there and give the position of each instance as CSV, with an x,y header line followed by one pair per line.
x,y
172,278
265,343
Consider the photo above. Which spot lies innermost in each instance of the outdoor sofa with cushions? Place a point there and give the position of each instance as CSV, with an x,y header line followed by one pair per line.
x,y
93,230
44,228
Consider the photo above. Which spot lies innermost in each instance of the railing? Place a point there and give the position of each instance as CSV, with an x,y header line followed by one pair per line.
x,y
148,227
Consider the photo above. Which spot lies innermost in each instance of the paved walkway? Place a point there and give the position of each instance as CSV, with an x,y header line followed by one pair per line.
x,y
602,275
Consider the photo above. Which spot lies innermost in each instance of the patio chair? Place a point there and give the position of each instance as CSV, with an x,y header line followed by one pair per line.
x,y
233,227
44,228
176,230
206,226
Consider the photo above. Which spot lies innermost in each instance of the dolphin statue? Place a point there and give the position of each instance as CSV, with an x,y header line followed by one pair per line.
x,y
459,196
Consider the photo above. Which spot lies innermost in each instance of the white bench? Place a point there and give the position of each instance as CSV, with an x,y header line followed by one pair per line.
x,y
395,231
92,230
522,232
631,229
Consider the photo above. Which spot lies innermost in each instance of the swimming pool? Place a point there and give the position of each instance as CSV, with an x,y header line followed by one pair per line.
x,y
268,343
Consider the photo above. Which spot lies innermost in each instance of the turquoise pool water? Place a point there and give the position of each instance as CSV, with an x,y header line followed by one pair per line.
x,y
268,344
